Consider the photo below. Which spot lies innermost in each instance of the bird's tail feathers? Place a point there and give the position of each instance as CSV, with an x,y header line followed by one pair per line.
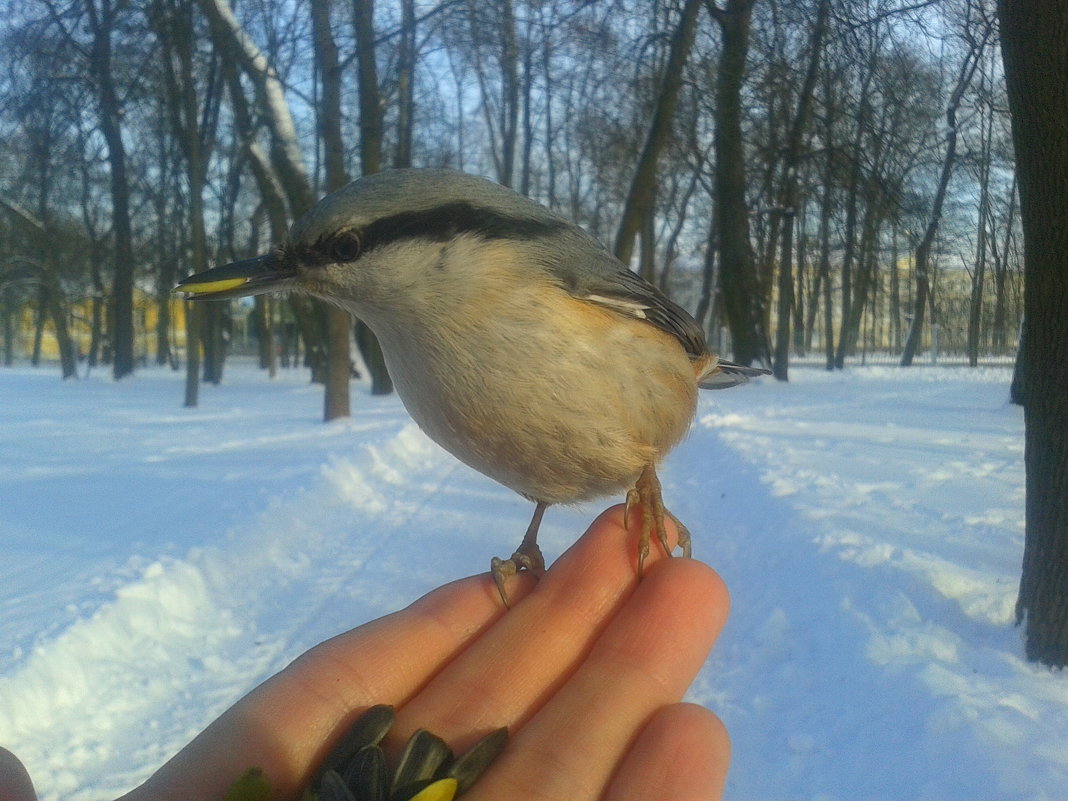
x,y
728,374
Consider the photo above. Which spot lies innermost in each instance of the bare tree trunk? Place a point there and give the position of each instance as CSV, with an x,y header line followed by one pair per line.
x,y
781,360
174,27
96,256
975,312
367,77
336,397
789,198
742,300
1000,334
502,123
405,86
273,207
286,157
863,280
510,89
802,284
1036,73
825,228
9,325
52,300
550,130
923,250
285,143
672,247
39,325
370,162
708,277
102,21
640,200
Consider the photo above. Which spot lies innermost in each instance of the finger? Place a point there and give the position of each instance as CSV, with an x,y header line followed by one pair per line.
x,y
646,658
682,753
508,673
15,784
287,725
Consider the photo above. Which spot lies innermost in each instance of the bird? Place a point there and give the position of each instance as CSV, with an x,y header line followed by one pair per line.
x,y
513,337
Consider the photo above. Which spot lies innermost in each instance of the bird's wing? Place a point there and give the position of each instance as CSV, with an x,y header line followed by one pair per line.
x,y
728,374
601,278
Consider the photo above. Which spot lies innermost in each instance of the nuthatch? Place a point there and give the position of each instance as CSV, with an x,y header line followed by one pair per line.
x,y
513,337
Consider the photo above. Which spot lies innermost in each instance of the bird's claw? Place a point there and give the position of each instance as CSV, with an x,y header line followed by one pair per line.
x,y
647,493
527,557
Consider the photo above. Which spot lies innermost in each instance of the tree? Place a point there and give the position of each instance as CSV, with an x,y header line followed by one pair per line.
x,y
1036,74
790,193
101,19
641,198
194,132
336,396
53,299
977,41
286,160
371,127
493,36
742,299
102,23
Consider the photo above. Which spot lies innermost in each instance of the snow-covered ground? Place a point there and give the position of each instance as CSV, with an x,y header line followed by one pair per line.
x,y
157,562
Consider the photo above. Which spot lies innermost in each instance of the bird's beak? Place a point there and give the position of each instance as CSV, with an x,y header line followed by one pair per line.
x,y
265,273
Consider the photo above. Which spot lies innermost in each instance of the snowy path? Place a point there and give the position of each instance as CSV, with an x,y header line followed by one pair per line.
x,y
159,562
882,639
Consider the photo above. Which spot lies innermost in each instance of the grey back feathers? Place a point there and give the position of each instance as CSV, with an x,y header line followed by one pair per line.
x,y
438,205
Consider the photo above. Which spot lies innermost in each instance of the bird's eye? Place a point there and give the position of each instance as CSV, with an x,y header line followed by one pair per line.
x,y
345,247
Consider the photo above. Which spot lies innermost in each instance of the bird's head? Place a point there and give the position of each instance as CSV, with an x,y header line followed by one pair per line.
x,y
380,239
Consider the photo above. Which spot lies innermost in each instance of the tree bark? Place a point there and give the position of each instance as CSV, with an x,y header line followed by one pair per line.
x,y
367,78
1000,334
641,196
371,126
285,143
923,250
203,326
52,300
742,300
286,158
405,86
790,193
1036,71
336,395
102,22
984,230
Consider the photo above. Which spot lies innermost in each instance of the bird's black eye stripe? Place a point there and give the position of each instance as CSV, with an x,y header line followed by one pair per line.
x,y
437,224
442,223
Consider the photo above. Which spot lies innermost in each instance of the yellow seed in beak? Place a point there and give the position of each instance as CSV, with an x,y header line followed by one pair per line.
x,y
211,287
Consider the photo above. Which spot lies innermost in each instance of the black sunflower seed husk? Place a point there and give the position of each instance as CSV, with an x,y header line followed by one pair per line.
x,y
368,729
423,756
405,792
473,762
366,774
333,788
356,770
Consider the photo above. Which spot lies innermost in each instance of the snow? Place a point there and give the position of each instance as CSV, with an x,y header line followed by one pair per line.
x,y
158,562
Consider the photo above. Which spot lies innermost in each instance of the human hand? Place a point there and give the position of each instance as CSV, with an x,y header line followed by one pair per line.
x,y
586,671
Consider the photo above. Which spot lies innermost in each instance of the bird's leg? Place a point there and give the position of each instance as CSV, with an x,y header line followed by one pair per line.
x,y
647,492
685,540
527,555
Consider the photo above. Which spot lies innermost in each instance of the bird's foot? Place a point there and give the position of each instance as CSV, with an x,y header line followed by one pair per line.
x,y
527,556
647,493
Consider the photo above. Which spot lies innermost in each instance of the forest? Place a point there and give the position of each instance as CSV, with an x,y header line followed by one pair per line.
x,y
814,179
